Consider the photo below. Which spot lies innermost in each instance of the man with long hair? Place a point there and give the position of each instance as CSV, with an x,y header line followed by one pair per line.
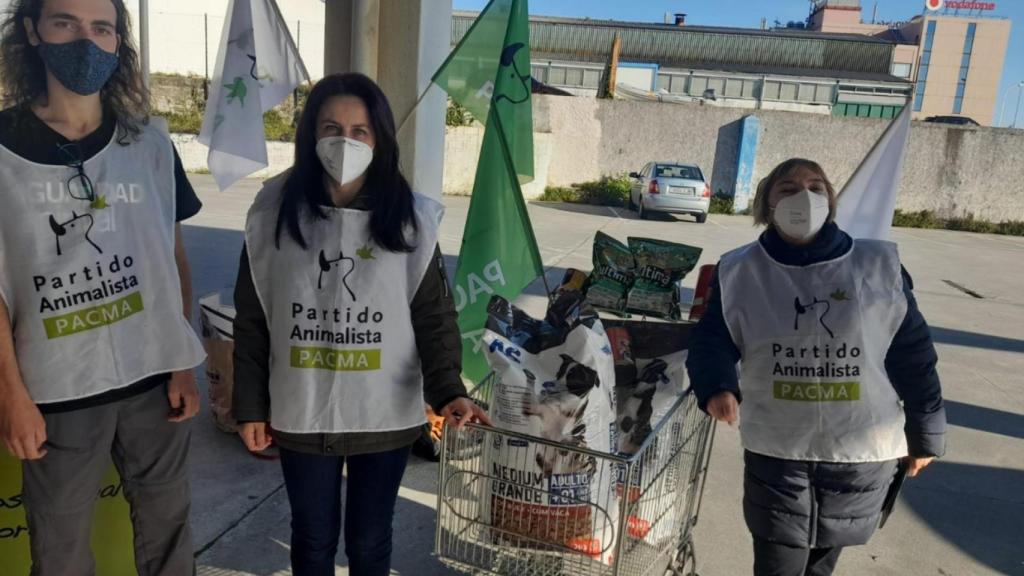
x,y
96,347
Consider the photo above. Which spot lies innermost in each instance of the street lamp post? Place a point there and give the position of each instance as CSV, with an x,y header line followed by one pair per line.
x,y
144,40
1006,96
1017,113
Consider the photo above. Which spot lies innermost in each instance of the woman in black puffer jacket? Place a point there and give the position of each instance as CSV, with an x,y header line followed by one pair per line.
x,y
837,380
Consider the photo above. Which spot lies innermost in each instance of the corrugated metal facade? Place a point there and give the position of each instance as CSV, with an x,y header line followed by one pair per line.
x,y
699,47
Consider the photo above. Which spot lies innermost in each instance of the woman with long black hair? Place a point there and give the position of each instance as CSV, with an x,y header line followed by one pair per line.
x,y
344,325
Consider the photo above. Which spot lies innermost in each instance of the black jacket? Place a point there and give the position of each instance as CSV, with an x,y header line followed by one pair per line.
x,y
823,504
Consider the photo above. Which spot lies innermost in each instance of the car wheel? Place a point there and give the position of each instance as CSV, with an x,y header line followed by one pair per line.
x,y
702,218
632,205
641,210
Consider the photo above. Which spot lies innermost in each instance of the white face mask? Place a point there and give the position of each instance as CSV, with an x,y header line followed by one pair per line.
x,y
343,158
801,215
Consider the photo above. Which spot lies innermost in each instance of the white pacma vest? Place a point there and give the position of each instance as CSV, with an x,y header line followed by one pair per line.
x,y
343,355
813,341
93,288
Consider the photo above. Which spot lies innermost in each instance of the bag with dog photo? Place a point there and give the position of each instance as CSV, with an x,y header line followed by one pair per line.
x,y
554,379
656,378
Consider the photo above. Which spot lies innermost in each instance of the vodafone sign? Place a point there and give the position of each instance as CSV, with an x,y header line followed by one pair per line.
x,y
959,5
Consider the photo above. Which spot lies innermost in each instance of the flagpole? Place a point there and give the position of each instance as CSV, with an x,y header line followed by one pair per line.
x,y
413,110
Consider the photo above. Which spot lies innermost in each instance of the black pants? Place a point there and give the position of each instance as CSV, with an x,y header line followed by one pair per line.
x,y
771,559
314,483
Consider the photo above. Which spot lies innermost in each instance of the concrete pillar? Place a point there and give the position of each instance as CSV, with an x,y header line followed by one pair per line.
x,y
366,37
412,38
415,38
337,36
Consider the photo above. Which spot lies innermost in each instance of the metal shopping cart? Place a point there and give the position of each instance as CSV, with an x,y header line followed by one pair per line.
x,y
645,516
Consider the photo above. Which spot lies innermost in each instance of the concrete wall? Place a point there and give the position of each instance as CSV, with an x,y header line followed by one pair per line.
x,y
950,170
193,155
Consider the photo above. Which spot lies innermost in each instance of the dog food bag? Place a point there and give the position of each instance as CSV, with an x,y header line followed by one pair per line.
x,y
554,380
660,266
613,273
642,403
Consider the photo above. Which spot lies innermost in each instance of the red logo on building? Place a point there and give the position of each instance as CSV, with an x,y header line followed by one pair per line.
x,y
933,4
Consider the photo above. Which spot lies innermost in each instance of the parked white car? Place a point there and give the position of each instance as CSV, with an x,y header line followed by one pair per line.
x,y
670,187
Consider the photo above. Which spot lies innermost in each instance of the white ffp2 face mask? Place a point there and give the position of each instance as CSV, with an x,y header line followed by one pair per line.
x,y
343,158
801,215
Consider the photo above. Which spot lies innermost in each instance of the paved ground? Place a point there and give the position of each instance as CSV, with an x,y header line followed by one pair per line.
x,y
962,517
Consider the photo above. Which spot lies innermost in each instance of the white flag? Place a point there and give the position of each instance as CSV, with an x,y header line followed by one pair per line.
x,y
258,66
868,200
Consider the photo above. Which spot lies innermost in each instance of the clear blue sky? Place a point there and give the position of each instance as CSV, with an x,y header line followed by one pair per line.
x,y
748,14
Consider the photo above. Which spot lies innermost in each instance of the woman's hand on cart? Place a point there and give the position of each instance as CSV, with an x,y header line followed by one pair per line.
x,y
463,410
724,407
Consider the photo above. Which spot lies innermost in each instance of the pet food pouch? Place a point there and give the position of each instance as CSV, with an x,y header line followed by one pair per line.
x,y
660,266
554,379
573,281
612,275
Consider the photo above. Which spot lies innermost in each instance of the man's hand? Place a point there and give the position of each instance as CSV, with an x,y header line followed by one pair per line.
x,y
22,427
183,395
724,407
915,465
463,410
256,436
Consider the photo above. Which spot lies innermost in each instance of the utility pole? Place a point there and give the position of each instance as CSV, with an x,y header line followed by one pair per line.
x,y
206,56
144,40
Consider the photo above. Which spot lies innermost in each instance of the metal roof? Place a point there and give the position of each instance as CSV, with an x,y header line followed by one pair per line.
x,y
700,46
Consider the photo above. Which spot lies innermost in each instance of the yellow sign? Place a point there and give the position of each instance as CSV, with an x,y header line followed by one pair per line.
x,y
337,360
111,528
817,391
95,317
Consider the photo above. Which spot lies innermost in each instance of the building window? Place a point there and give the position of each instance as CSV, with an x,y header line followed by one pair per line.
x,y
901,69
930,36
718,85
734,88
823,94
678,85
664,82
556,76
574,77
926,58
539,72
749,86
965,65
698,84
770,91
787,92
591,79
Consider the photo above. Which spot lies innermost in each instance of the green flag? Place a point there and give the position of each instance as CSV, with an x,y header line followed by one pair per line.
x,y
489,74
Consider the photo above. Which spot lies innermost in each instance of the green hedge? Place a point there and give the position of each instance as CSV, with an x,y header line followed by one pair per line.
x,y
927,219
608,191
277,126
721,203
